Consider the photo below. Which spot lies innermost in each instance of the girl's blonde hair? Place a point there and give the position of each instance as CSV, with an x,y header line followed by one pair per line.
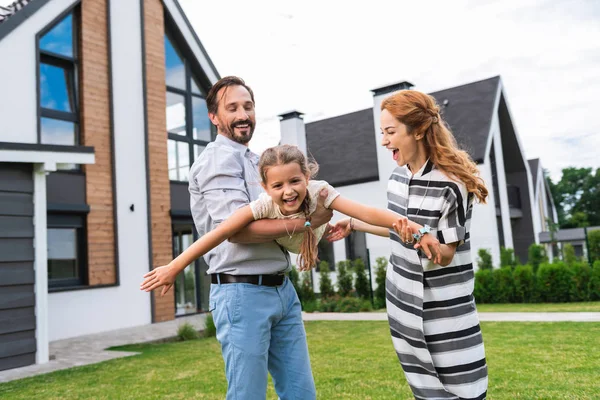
x,y
420,113
286,154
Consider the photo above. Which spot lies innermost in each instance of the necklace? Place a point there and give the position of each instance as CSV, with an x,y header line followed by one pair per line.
x,y
288,232
422,200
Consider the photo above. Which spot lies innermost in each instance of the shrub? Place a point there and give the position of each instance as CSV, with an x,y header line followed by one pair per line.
x,y
483,286
484,260
554,282
581,274
594,286
344,278
503,285
295,278
569,256
329,304
306,293
537,255
210,329
594,242
507,258
310,306
524,283
353,304
380,272
186,331
361,282
325,285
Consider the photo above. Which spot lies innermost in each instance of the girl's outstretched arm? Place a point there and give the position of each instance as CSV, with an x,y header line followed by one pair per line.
x,y
370,215
165,275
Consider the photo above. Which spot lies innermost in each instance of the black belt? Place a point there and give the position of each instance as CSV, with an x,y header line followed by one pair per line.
x,y
267,280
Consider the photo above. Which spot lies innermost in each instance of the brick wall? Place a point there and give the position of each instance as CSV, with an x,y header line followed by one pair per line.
x,y
95,125
160,202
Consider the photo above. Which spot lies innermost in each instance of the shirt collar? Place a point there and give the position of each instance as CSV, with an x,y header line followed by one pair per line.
x,y
224,140
425,169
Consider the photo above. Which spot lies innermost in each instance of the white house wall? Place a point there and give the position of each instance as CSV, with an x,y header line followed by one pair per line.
x,y
502,188
484,224
81,312
19,84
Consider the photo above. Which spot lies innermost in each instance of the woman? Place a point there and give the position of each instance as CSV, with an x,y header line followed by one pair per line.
x,y
429,297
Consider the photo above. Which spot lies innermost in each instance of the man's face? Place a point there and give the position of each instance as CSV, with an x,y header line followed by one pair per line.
x,y
235,115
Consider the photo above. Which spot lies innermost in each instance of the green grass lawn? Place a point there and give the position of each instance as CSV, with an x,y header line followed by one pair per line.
x,y
590,306
351,360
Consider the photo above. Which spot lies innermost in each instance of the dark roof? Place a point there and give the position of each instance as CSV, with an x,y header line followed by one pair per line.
x,y
567,235
8,11
344,147
469,113
534,166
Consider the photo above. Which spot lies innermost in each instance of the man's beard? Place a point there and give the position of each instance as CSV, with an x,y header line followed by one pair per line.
x,y
243,138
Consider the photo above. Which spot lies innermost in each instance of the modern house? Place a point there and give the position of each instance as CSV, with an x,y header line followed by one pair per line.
x,y
102,111
348,149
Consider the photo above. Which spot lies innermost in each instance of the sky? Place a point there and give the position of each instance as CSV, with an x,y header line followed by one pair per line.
x,y
324,57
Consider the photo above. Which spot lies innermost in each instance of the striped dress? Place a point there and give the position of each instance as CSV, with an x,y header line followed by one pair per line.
x,y
433,321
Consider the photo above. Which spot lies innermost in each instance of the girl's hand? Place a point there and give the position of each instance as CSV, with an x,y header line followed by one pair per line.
x,y
430,245
161,276
339,230
403,230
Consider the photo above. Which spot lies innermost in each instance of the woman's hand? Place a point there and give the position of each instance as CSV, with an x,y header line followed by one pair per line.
x,y
339,230
403,230
161,276
430,245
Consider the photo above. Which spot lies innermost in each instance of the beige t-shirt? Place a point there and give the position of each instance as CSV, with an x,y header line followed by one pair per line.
x,y
265,207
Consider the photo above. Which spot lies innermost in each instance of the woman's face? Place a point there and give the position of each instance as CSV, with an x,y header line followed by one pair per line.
x,y
397,139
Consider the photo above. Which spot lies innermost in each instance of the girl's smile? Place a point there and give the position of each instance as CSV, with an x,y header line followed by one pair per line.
x,y
287,186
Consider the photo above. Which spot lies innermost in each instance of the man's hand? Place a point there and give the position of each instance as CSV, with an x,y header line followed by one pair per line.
x,y
339,230
321,215
161,276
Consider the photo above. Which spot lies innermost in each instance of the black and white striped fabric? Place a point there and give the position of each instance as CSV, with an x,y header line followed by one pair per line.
x,y
433,321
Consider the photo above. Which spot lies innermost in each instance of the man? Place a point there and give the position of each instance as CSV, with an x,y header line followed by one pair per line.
x,y
255,307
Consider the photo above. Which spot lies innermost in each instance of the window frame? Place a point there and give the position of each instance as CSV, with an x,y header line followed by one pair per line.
x,y
71,66
79,223
188,95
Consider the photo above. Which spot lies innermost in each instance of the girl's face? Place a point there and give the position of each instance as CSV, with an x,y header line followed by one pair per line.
x,y
397,139
287,186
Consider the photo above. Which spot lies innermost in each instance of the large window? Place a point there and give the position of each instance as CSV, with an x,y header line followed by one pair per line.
x,y
66,250
58,76
356,246
192,287
189,129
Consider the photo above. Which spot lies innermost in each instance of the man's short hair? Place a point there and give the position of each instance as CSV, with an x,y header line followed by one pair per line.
x,y
212,102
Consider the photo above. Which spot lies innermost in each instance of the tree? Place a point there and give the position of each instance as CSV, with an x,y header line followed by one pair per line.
x,y
569,256
594,242
577,197
307,292
344,278
484,260
537,255
325,285
380,272
361,283
507,258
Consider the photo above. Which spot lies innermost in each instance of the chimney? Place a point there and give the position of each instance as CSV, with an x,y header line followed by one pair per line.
x,y
385,162
292,129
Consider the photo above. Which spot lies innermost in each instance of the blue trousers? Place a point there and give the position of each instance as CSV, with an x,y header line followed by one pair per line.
x,y
260,329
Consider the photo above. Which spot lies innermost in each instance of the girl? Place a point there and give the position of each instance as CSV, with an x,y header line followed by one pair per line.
x,y
290,193
431,310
